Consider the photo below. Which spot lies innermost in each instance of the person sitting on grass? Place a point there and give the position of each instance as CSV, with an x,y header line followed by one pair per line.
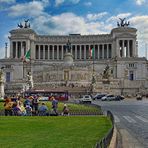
x,y
65,110
16,110
8,106
43,110
28,110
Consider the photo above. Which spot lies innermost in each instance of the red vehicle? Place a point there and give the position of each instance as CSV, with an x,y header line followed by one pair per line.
x,y
46,95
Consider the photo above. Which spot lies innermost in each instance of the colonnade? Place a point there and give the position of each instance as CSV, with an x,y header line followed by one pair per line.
x,y
79,52
18,48
127,48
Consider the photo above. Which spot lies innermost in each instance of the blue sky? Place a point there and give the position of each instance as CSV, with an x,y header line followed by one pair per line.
x,y
73,16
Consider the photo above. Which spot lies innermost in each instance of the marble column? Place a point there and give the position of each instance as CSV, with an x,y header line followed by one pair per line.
x,y
123,42
98,51
84,52
57,52
39,52
52,52
75,52
103,51
62,56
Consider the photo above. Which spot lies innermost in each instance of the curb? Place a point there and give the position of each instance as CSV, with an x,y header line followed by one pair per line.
x,y
113,143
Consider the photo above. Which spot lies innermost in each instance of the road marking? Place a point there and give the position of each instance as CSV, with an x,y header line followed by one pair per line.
x,y
142,119
116,119
129,119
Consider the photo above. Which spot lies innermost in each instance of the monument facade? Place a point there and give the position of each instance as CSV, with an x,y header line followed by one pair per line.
x,y
117,51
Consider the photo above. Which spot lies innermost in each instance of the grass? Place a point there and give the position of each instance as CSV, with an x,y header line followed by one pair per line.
x,y
52,132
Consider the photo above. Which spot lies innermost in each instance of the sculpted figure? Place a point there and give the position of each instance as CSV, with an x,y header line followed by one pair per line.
x,y
123,23
106,73
26,25
20,25
1,74
30,80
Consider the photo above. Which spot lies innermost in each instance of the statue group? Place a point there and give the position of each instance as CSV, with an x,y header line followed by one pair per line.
x,y
123,23
26,24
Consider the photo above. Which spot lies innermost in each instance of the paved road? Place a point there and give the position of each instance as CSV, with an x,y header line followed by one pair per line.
x,y
131,118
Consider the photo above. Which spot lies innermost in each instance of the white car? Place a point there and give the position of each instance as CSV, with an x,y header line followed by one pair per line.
x,y
85,99
108,98
43,98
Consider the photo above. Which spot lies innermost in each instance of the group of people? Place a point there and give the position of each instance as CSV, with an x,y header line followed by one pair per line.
x,y
31,106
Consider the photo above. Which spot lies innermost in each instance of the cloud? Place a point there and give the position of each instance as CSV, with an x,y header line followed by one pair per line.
x,y
141,23
88,4
7,1
94,17
66,23
59,2
140,2
116,18
33,8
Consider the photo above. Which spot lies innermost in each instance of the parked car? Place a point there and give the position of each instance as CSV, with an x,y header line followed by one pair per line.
x,y
43,98
108,98
139,97
98,96
118,98
85,99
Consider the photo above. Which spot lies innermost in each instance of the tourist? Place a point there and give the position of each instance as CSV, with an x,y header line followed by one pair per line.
x,y
65,110
28,110
8,106
55,105
16,110
43,110
35,104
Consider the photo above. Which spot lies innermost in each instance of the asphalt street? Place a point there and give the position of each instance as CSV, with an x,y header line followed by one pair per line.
x,y
131,119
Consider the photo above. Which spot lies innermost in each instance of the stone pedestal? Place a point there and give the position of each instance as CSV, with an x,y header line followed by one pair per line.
x,y
2,93
2,81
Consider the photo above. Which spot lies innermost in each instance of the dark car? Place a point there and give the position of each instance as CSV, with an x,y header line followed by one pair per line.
x,y
118,98
98,96
139,97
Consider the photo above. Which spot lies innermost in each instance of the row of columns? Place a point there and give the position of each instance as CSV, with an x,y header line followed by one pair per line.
x,y
126,48
79,52
18,48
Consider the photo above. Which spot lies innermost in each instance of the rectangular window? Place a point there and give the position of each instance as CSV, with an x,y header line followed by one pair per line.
x,y
7,76
131,75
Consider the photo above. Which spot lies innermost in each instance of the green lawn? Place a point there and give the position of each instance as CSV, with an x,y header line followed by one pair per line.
x,y
52,132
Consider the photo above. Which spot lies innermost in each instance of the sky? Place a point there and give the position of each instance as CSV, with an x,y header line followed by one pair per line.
x,y
62,17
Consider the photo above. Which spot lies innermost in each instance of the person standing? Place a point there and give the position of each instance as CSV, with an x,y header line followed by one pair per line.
x,y
65,110
35,104
55,105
